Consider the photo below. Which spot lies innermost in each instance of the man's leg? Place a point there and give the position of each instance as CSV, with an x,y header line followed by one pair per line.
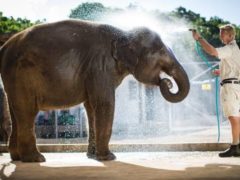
x,y
239,134
235,125
234,148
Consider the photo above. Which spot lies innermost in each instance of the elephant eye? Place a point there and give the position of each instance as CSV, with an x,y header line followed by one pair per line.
x,y
152,51
131,50
162,50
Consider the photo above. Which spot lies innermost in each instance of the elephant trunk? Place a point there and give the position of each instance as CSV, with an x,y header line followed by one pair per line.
x,y
181,79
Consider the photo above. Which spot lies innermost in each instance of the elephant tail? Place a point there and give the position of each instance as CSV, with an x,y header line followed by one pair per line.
x,y
5,120
2,50
1,56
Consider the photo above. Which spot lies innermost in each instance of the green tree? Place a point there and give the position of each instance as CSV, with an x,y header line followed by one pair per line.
x,y
10,25
89,11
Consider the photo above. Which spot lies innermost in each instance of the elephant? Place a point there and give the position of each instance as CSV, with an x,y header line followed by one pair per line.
x,y
61,64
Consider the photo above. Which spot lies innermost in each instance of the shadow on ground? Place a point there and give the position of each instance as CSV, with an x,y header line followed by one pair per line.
x,y
115,170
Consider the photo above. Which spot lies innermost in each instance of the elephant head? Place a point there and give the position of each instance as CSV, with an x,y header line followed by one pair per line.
x,y
146,57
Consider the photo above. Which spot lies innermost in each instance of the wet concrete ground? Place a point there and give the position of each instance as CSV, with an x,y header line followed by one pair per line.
x,y
128,165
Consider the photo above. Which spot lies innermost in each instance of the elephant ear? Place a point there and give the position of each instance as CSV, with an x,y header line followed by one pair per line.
x,y
123,50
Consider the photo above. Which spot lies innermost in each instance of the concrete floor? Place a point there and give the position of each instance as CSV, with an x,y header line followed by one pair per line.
x,y
129,166
196,158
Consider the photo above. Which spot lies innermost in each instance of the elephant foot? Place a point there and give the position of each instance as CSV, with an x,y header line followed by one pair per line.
x,y
109,157
91,155
91,152
15,156
33,157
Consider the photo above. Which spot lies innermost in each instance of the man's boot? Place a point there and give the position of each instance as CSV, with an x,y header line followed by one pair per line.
x,y
234,150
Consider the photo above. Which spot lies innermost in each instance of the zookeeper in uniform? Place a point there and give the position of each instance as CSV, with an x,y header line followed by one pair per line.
x,y
229,71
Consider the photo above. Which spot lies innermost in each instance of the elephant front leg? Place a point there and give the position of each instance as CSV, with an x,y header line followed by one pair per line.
x,y
103,129
101,99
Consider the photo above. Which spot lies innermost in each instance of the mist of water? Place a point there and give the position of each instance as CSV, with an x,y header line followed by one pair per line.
x,y
140,110
129,19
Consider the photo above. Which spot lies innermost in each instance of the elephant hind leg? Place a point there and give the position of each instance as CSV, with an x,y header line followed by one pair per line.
x,y
26,140
91,153
13,139
24,110
22,90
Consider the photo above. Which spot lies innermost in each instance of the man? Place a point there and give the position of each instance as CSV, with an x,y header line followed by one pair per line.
x,y
230,81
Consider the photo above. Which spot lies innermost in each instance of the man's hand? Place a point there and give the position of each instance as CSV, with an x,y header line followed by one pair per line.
x,y
216,72
196,35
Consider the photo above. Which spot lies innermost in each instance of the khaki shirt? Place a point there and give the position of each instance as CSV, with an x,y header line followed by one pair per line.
x,y
230,60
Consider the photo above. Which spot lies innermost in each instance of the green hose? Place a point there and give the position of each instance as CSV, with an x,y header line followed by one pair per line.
x,y
204,58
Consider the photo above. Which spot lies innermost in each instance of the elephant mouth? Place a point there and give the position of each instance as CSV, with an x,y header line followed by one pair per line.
x,y
169,81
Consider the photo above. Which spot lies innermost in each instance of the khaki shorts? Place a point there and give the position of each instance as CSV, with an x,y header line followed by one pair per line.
x,y
230,99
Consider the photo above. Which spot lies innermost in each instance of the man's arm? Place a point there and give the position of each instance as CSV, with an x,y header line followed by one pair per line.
x,y
205,45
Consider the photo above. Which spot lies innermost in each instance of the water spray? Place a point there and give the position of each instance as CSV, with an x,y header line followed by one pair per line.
x,y
205,59
171,30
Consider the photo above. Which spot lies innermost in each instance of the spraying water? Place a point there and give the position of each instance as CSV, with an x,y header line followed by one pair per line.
x,y
137,18
140,110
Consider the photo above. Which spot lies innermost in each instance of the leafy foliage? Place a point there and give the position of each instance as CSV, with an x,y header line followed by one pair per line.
x,y
88,11
93,11
9,25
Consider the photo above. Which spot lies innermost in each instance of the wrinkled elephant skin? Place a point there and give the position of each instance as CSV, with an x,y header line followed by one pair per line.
x,y
58,65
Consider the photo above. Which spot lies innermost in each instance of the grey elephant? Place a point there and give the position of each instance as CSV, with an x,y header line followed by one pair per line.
x,y
58,65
